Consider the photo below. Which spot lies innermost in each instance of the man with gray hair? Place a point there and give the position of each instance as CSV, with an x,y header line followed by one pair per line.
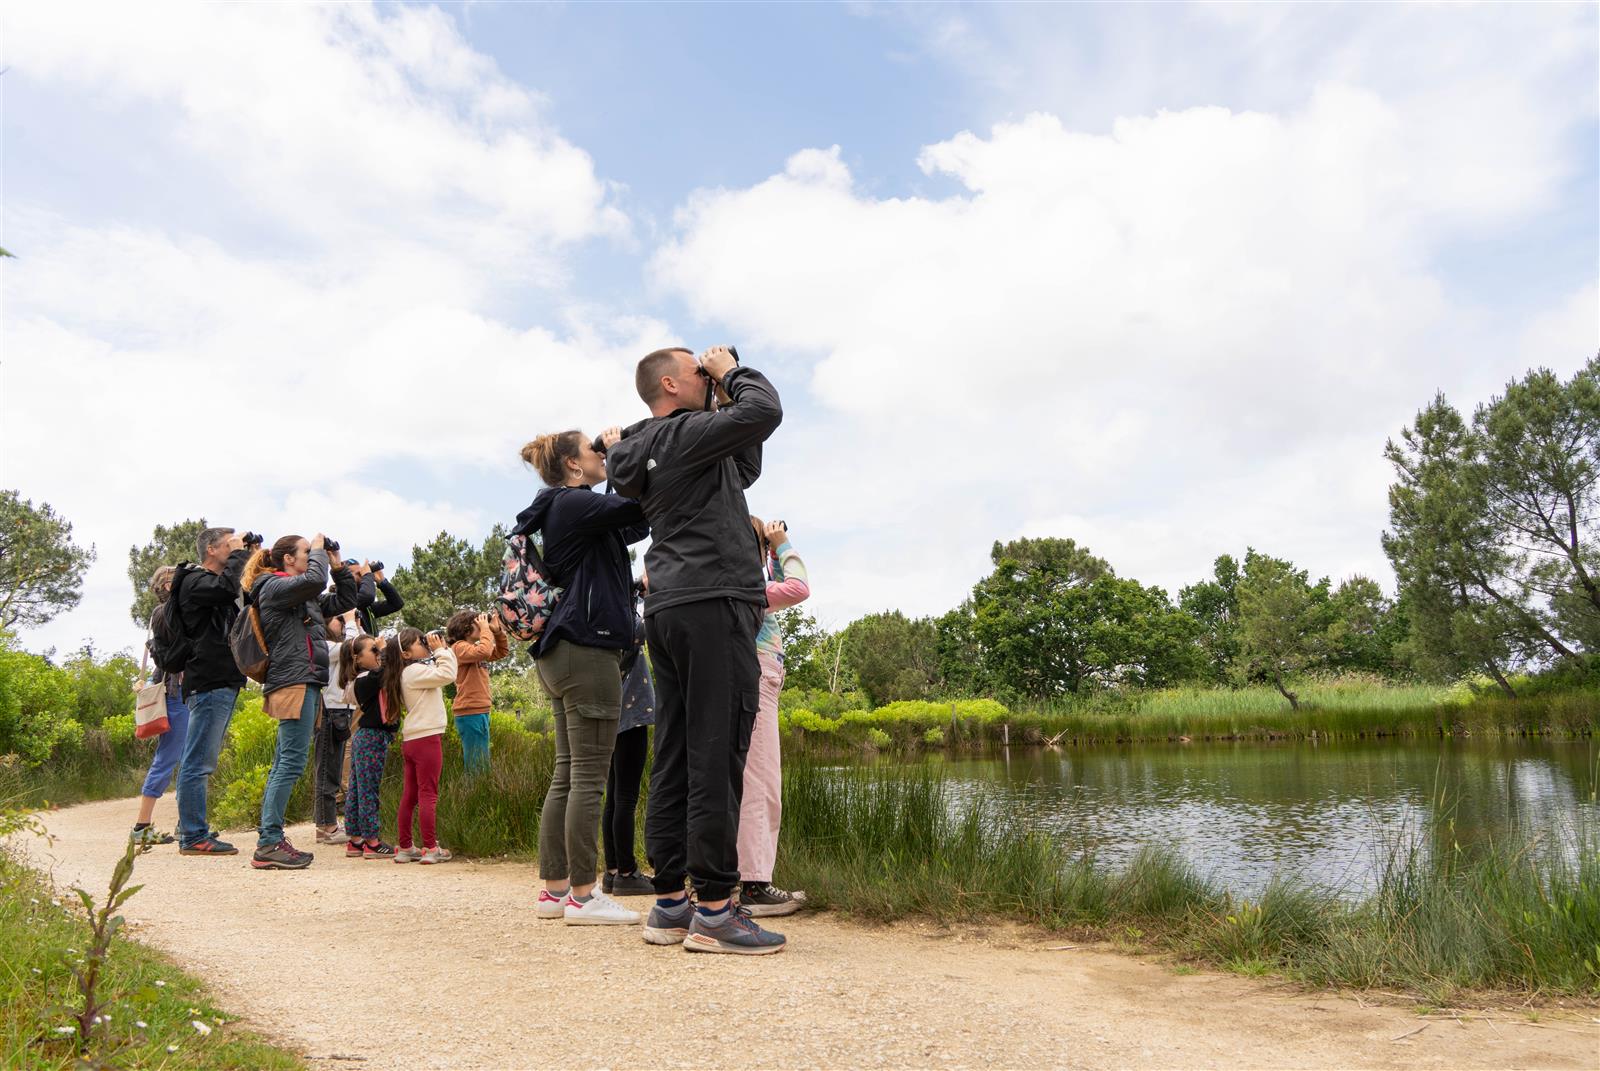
x,y
208,602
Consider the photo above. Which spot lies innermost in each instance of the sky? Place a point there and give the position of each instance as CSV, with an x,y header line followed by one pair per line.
x,y
1161,279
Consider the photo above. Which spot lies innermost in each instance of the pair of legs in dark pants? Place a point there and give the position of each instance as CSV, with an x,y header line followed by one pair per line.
x,y
333,732
622,798
707,694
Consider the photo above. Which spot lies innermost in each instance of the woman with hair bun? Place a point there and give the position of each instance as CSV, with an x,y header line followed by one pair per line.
x,y
586,537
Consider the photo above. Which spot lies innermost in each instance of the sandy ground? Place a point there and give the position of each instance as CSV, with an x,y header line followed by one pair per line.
x,y
374,965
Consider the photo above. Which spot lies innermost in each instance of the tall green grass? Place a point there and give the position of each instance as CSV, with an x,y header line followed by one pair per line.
x,y
884,843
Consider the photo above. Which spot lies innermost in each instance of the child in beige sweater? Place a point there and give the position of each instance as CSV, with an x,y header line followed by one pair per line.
x,y
415,670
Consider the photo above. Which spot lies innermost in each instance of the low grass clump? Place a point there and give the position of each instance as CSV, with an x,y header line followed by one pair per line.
x,y
148,1008
884,843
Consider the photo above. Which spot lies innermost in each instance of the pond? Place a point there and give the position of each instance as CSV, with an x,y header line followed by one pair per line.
x,y
1323,814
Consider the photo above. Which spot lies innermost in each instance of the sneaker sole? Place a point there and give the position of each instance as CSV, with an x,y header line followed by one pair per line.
x,y
549,916
579,920
267,864
772,911
191,851
699,942
655,936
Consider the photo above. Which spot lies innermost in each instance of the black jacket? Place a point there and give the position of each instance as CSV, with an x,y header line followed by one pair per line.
x,y
586,537
689,471
368,607
207,604
294,613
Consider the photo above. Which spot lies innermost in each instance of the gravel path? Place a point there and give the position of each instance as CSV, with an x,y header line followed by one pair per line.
x,y
372,965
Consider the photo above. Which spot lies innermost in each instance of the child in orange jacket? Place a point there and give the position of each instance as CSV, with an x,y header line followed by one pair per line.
x,y
476,639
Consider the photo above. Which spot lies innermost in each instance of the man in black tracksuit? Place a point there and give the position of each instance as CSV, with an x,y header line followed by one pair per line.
x,y
688,466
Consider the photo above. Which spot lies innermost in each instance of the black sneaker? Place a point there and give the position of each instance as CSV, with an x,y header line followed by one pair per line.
x,y
281,856
633,884
209,846
766,900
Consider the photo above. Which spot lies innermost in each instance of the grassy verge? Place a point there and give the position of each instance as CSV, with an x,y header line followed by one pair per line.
x,y
151,1006
884,844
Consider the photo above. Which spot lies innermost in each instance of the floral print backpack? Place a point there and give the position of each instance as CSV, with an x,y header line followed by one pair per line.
x,y
527,597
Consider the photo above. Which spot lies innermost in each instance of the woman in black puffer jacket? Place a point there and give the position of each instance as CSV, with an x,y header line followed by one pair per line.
x,y
586,537
286,585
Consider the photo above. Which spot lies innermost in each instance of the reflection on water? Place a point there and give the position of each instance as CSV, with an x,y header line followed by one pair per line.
x,y
1325,814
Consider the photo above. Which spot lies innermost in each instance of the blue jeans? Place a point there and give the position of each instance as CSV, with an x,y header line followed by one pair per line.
x,y
169,748
288,763
474,732
209,715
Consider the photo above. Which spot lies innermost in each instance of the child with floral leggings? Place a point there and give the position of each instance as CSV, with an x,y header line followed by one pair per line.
x,y
369,747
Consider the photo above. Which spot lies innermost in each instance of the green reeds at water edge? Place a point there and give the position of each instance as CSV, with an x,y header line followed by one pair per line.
x,y
1337,710
884,843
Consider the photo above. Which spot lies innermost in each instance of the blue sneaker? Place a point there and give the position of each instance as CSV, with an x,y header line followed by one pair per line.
x,y
732,933
669,926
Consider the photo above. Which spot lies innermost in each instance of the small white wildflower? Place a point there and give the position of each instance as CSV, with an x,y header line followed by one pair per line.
x,y
65,1029
172,1048
33,899
36,970
160,984
200,1028
72,951
141,1024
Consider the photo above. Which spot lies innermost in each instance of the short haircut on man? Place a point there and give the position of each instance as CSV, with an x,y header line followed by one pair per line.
x,y
647,380
210,538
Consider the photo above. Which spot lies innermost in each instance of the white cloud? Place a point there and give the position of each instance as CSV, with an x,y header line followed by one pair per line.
x,y
338,122
1571,328
1189,333
169,368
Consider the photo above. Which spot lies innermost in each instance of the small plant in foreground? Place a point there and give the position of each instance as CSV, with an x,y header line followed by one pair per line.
x,y
103,927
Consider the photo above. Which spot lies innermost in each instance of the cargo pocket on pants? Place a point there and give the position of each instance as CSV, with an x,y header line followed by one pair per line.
x,y
749,704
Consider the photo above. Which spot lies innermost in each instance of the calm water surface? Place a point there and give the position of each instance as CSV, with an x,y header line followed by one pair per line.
x,y
1326,814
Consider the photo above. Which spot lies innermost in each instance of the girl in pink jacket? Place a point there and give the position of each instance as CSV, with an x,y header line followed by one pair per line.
x,y
762,805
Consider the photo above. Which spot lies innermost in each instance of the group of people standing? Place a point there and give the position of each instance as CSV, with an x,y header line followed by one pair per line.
x,y
303,598
714,577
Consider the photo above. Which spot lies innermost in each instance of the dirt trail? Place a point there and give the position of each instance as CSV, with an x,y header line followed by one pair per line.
x,y
413,967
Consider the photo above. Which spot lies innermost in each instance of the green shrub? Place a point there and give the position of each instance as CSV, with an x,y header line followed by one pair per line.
x,y
878,738
38,704
238,805
104,689
807,721
820,702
